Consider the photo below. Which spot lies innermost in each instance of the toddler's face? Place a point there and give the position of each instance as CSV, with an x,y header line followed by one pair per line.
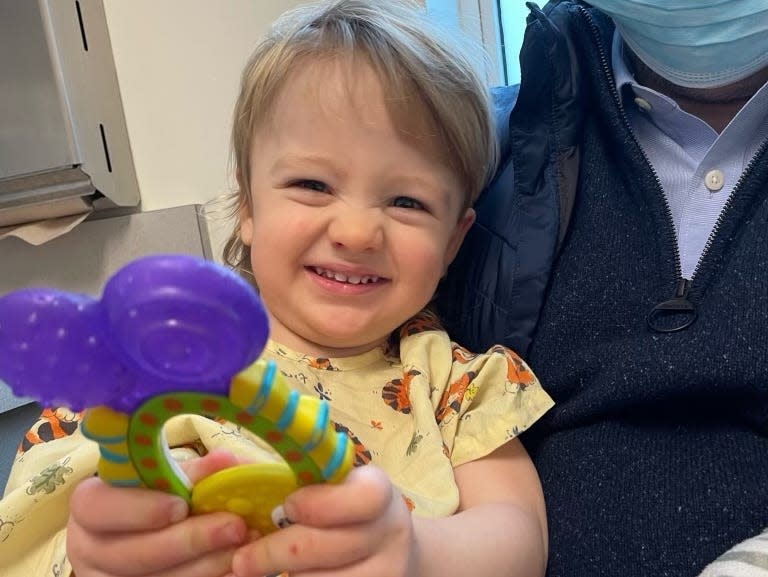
x,y
351,222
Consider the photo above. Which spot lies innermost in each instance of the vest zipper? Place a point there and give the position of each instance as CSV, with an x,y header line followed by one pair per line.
x,y
678,306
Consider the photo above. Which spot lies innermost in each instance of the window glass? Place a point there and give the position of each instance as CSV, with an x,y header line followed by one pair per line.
x,y
512,19
496,25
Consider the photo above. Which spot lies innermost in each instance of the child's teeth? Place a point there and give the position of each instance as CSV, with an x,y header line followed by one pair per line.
x,y
340,277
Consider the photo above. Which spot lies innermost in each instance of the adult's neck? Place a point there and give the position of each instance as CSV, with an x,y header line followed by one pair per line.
x,y
715,106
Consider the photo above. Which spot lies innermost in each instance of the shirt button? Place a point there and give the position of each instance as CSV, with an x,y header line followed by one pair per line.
x,y
643,104
714,180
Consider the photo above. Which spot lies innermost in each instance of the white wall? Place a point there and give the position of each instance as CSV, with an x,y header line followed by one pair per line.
x,y
178,65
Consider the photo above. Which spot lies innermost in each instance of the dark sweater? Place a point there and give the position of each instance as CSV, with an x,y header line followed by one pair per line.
x,y
654,460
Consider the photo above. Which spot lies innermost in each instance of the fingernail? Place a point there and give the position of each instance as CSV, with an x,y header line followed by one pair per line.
x,y
234,533
289,511
179,510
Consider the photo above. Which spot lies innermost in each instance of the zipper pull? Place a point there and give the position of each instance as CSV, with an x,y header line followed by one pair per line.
x,y
675,314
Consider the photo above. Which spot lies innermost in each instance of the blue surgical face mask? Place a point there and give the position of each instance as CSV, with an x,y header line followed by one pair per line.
x,y
694,43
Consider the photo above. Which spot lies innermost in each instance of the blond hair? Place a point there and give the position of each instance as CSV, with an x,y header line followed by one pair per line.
x,y
424,74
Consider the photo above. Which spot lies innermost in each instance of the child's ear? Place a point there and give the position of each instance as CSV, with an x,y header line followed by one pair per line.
x,y
245,219
457,237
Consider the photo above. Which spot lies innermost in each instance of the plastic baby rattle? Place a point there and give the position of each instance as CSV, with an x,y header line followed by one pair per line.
x,y
171,335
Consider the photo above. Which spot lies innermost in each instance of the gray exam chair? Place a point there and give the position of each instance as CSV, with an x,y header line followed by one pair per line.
x,y
16,417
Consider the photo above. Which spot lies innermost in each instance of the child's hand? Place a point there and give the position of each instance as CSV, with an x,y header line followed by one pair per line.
x,y
360,527
115,532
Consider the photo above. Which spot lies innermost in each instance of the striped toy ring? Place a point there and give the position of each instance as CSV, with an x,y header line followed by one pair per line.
x,y
296,426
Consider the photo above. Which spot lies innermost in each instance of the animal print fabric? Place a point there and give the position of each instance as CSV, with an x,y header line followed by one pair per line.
x,y
417,407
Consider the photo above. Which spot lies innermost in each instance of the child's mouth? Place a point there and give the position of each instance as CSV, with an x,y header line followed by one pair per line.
x,y
346,278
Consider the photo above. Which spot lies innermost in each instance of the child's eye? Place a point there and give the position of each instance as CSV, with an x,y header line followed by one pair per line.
x,y
315,185
408,202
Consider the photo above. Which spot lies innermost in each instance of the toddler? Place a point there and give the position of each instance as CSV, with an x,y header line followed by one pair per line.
x,y
361,140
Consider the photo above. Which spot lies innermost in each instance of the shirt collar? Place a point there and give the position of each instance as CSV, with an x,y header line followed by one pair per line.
x,y
624,77
620,68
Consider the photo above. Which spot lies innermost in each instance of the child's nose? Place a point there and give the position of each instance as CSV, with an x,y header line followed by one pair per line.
x,y
357,229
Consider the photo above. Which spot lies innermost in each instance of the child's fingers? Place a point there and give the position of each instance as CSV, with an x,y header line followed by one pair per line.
x,y
157,552
139,509
381,547
364,495
300,548
139,532
214,461
217,564
99,507
336,526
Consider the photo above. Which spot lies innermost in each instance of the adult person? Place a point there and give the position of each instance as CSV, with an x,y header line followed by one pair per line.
x,y
622,250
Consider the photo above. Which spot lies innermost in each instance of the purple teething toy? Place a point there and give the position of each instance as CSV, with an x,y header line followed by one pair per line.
x,y
164,323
